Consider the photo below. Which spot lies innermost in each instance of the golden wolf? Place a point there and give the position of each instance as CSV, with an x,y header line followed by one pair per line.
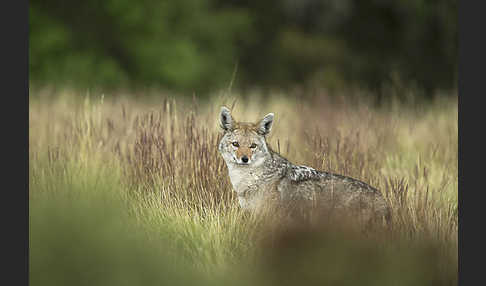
x,y
259,175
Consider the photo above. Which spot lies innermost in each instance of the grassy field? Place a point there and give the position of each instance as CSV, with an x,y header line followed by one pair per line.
x,y
130,190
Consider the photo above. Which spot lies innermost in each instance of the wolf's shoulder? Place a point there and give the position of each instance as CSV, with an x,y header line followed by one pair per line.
x,y
294,173
303,173
299,174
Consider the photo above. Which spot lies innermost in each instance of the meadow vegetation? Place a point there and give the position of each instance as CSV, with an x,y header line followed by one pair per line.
x,y
130,190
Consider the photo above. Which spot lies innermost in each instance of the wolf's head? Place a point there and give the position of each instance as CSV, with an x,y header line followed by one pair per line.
x,y
244,143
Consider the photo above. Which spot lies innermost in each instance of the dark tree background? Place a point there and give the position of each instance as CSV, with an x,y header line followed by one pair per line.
x,y
195,45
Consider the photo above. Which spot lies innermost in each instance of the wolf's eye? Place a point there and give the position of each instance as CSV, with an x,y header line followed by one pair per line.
x,y
253,146
235,144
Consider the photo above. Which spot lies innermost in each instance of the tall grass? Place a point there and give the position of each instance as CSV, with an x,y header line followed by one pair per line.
x,y
128,191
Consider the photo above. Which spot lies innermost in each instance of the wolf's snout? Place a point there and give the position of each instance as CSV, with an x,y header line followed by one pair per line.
x,y
244,159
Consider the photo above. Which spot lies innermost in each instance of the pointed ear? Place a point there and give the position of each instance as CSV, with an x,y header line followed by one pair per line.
x,y
266,124
225,119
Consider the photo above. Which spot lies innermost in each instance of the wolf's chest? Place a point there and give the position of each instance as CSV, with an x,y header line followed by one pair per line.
x,y
250,188
243,179
251,185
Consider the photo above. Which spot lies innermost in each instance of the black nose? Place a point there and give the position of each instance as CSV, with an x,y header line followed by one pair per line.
x,y
244,159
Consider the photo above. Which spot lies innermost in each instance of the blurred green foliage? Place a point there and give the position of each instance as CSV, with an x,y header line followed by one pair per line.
x,y
195,45
178,44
